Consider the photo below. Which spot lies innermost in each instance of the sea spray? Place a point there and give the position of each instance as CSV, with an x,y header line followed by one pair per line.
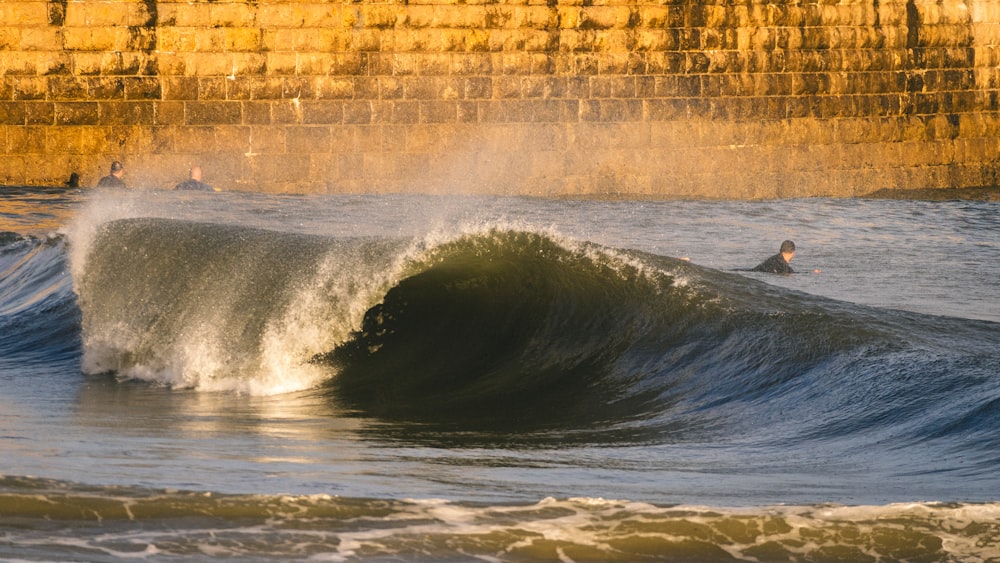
x,y
216,307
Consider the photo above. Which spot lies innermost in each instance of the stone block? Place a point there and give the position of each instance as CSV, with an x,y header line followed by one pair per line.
x,y
267,88
171,64
212,88
97,14
322,112
63,140
281,63
137,39
280,15
308,139
105,88
264,140
141,87
348,64
239,87
380,16
320,15
419,16
569,17
242,39
13,170
365,87
76,113
25,14
40,39
257,113
437,112
88,64
467,112
68,88
604,17
126,113
422,87
213,113
10,37
208,64
291,168
179,88
189,140
228,14
364,40
358,113
514,63
331,41
314,40
405,112
96,39
12,113
435,65
535,17
456,16
18,64
168,113
29,140
299,87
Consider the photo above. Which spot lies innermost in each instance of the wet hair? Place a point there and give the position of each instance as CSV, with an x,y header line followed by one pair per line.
x,y
116,166
787,246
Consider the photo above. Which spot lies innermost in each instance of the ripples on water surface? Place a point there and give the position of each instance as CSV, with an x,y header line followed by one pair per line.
x,y
449,376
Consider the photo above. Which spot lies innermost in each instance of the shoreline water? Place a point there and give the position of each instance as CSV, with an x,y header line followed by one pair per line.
x,y
58,521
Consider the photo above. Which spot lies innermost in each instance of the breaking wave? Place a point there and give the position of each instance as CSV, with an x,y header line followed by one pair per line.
x,y
515,330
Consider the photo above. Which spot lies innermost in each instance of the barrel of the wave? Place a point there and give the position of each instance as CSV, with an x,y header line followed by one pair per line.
x,y
515,328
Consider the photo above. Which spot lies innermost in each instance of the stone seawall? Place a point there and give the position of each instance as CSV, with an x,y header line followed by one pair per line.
x,y
679,98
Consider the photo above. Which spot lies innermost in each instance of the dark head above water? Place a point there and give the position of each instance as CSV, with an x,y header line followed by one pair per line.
x,y
778,264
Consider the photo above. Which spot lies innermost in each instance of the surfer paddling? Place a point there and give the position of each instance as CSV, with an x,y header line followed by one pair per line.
x,y
778,264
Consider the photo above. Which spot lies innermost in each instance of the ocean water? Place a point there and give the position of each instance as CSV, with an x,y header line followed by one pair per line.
x,y
388,377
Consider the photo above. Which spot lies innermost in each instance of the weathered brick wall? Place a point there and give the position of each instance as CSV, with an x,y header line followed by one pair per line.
x,y
674,98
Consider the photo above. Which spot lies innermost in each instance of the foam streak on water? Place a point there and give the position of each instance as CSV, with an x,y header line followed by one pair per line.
x,y
112,524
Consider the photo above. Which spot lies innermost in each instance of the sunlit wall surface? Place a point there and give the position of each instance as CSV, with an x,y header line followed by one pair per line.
x,y
718,99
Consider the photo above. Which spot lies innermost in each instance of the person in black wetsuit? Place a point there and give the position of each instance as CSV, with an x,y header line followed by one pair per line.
x,y
194,182
114,179
778,264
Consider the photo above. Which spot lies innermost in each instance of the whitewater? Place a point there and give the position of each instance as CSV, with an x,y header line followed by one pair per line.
x,y
387,377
